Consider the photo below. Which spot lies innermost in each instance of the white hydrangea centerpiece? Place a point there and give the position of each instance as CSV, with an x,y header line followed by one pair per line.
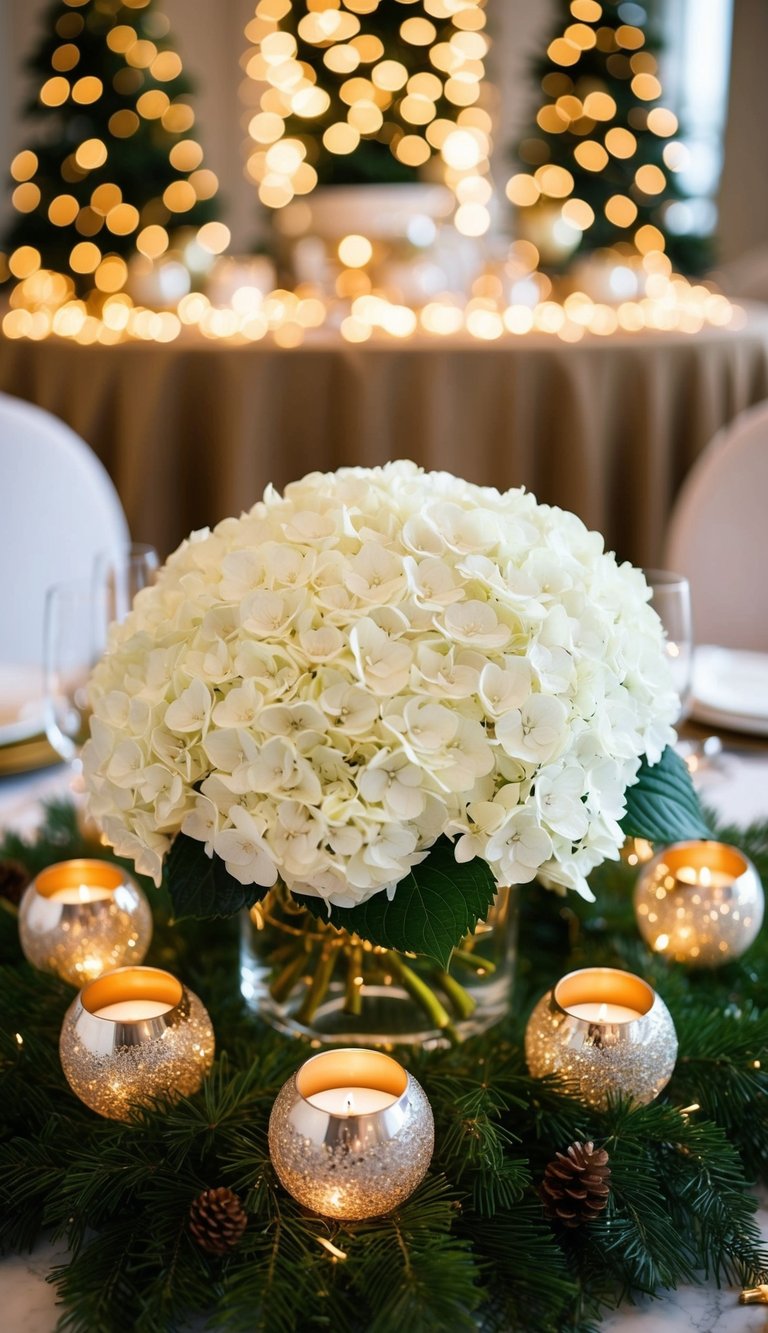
x,y
321,691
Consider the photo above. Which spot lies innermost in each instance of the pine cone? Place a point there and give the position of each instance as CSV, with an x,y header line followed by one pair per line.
x,y
576,1184
14,878
217,1220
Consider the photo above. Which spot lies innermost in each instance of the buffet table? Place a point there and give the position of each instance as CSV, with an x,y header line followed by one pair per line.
x,y
192,431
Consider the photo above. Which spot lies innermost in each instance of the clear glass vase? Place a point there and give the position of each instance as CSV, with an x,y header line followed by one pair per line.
x,y
314,981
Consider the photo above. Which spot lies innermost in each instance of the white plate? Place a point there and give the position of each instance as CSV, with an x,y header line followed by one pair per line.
x,y
730,689
21,703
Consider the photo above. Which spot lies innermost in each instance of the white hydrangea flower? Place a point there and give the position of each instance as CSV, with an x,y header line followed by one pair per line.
x,y
319,689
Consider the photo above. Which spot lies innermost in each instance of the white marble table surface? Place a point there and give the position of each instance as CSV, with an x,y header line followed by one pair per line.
x,y
737,787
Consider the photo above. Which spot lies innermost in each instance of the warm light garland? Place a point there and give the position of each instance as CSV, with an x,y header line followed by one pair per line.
x,y
42,306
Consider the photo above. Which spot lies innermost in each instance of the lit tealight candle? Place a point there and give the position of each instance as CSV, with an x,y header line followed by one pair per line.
x,y
83,917
603,1031
604,1013
352,1101
132,1035
83,893
699,903
133,1011
351,1134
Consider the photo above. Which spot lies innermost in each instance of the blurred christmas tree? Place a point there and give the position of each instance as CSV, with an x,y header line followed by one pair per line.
x,y
599,166
113,169
367,91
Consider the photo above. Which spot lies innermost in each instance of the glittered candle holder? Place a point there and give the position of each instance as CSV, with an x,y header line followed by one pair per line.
x,y
351,1134
603,1031
699,903
132,1035
81,918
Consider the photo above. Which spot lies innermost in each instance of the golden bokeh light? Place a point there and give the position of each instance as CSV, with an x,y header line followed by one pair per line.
x,y
152,241
646,87
554,181
122,124
650,179
214,236
662,122
87,90
186,155
26,197
85,257
522,190
418,32
24,165
599,106
620,142
123,219
591,155
153,104
166,66
55,91
178,118
24,261
92,153
65,58
620,210
341,138
588,11
121,38
179,197
63,210
106,197
355,251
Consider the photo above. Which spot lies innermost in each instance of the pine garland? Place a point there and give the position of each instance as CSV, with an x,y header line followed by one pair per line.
x,y
473,1249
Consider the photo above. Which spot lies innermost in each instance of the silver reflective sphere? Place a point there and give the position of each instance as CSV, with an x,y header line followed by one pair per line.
x,y
596,1056
345,1164
81,918
132,1035
699,903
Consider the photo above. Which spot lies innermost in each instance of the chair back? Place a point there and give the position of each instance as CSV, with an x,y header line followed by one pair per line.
x,y
718,535
58,510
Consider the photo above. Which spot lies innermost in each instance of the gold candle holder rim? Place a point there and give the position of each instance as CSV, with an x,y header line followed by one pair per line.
x,y
730,859
596,985
86,872
132,983
391,1076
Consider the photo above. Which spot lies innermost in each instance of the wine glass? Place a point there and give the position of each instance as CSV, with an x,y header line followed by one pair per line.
x,y
671,600
119,574
78,614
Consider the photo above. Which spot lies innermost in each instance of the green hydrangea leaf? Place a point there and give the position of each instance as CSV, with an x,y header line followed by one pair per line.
x,y
434,907
201,886
662,806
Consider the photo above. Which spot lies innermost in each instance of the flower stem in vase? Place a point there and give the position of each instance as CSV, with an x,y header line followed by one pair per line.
x,y
318,989
353,1002
286,979
420,991
483,967
463,1003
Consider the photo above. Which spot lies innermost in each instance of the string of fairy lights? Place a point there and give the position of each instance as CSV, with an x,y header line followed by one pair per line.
x,y
429,110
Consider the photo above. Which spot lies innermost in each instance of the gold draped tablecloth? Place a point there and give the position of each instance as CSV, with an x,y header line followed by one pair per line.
x,y
193,430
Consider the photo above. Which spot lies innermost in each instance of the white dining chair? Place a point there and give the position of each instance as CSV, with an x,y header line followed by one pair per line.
x,y
718,535
58,510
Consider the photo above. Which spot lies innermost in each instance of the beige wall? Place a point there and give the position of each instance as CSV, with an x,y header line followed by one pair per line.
x,y
209,36
743,198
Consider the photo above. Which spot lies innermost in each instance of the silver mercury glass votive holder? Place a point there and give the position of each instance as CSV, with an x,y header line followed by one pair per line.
x,y
351,1134
84,917
603,1031
699,903
132,1035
